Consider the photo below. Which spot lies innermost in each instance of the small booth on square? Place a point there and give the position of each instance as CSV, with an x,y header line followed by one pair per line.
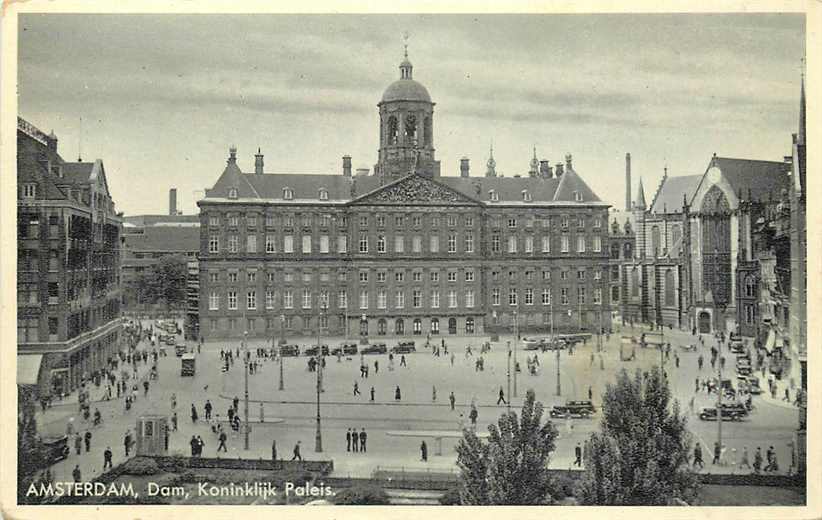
x,y
152,435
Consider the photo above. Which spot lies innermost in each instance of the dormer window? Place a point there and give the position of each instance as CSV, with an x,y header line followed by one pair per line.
x,y
578,196
288,193
323,194
29,191
492,194
526,196
232,193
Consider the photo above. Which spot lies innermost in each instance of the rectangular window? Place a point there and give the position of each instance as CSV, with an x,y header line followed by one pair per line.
x,y
416,244
214,220
342,244
546,296
564,296
325,220
399,221
342,299
597,223
323,243
289,221
306,244
363,299
435,299
233,220
564,243
598,275
232,243
214,244
546,244
289,277
251,300
270,220
417,275
270,244
251,244
581,274
512,222
452,299
469,242
363,243
232,300
417,298
469,221
251,220
529,275
563,221
435,244
512,296
307,277
469,298
213,324
452,243
452,276
417,221
529,244
381,299
435,276
232,276
306,220
400,299
399,243
581,295
363,221
529,296
495,296
288,299
597,244
251,277
399,276
435,221
512,244
452,220
597,295
581,222
288,244
495,243
364,276
563,275
214,277
269,299
580,244
29,191
214,302
469,276
380,276
306,298
381,244
380,221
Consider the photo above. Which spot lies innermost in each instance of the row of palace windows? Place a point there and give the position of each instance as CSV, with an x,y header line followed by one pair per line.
x,y
288,323
252,220
513,244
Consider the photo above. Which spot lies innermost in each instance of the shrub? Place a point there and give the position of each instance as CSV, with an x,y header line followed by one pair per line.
x,y
361,496
451,497
562,487
178,463
141,466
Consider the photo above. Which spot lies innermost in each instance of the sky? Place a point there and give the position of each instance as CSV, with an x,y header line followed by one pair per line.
x,y
160,98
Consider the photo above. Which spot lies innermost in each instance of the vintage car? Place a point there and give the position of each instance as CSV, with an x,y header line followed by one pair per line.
x,y
289,350
730,412
346,349
375,348
188,364
582,409
557,344
180,349
737,347
750,383
531,343
170,341
404,347
56,448
312,350
744,368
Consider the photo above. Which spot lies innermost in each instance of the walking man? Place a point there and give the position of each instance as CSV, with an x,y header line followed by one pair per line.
x,y
127,442
193,413
473,415
107,458
402,361
372,394
222,442
501,398
207,410
87,439
757,465
578,455
453,400
698,456
348,440
363,438
355,440
745,461
78,443
76,473
424,452
356,388
717,452
397,394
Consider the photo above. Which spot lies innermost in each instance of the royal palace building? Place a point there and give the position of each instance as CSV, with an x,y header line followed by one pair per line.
x,y
404,251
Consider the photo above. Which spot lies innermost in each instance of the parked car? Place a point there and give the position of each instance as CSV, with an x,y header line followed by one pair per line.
x,y
744,369
556,344
531,344
731,413
56,448
404,347
188,364
180,349
750,383
170,341
375,348
582,409
290,350
346,349
312,350
737,347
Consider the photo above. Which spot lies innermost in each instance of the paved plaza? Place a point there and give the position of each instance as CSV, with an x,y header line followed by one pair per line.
x,y
290,415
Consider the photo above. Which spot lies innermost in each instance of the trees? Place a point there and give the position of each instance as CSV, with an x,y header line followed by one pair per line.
x,y
164,282
511,468
640,455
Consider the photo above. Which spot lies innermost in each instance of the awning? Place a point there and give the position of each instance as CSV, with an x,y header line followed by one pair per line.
x,y
28,368
769,343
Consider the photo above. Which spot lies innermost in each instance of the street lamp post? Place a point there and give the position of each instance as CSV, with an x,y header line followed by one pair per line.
x,y
508,375
559,385
280,349
719,410
245,423
516,341
318,439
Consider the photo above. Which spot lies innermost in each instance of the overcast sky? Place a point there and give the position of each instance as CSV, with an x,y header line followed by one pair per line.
x,y
161,98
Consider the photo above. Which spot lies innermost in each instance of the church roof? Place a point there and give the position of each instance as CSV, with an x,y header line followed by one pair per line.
x,y
764,179
572,188
164,238
669,196
77,172
406,90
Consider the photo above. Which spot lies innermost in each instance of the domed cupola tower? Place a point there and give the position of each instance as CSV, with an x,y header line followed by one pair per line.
x,y
406,128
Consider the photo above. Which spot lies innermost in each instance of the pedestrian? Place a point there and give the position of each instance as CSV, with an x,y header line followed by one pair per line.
x,y
376,366
578,455
434,393
676,360
717,453
297,455
348,440
787,397
207,408
696,385
78,443
771,456
356,388
76,473
452,399
473,415
698,456
363,439
397,394
700,361
127,442
590,394
173,400
501,398
372,394
236,401
452,359
355,440
222,439
230,415
145,387
424,452
745,462
691,404
274,450
592,359
174,422
200,445
107,458
193,413
757,465
402,361
87,439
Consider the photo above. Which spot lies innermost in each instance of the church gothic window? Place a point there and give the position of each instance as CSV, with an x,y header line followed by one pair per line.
x,y
669,287
393,130
411,128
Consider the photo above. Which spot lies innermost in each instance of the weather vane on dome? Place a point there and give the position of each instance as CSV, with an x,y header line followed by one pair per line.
x,y
405,36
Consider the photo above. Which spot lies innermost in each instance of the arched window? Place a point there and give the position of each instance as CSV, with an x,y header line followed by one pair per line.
x,y
410,128
676,235
526,196
393,131
288,193
492,194
399,326
435,326
323,194
452,325
750,287
232,193
670,295
629,250
469,325
655,241
615,250
427,131
417,326
381,327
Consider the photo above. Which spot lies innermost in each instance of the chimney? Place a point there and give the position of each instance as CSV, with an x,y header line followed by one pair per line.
x,y
52,141
346,166
558,170
628,182
258,162
172,201
464,169
568,162
544,169
232,155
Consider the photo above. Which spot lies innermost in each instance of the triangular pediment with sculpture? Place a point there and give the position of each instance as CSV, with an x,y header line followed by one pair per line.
x,y
415,190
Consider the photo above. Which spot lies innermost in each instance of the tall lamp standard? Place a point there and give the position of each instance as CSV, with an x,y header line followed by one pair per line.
x,y
516,341
318,438
508,373
280,349
246,426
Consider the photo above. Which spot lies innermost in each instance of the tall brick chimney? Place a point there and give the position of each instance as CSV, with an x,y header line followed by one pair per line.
x,y
258,162
544,169
464,168
627,182
172,201
346,165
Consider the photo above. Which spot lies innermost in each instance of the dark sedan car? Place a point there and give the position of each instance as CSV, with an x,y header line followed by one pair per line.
x,y
582,409
376,348
346,349
290,350
404,347
312,350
